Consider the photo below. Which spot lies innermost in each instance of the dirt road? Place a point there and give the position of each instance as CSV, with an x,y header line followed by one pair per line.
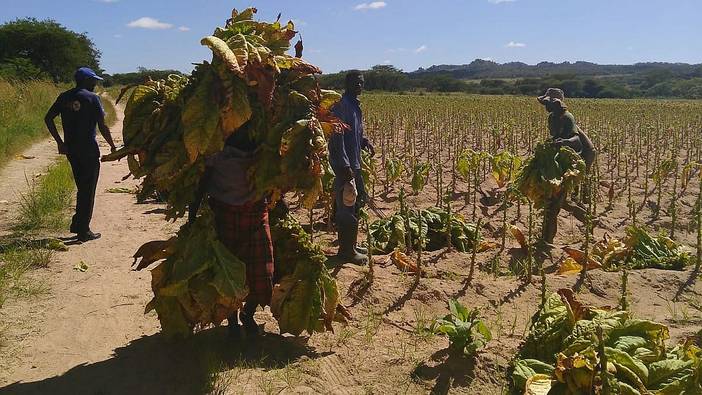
x,y
71,333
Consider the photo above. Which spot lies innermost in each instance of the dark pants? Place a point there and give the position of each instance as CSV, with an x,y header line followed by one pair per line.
x,y
550,224
86,169
348,216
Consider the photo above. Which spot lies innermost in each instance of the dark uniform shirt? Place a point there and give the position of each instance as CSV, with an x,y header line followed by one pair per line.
x,y
345,148
80,111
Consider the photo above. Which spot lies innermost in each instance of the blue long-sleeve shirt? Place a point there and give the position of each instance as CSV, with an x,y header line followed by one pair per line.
x,y
345,148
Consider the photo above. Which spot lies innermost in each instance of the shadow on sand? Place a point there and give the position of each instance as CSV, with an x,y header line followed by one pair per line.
x,y
152,365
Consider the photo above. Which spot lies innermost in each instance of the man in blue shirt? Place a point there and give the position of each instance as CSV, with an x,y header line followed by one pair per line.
x,y
345,159
81,111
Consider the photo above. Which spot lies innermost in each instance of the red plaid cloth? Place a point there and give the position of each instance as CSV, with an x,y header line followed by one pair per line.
x,y
245,231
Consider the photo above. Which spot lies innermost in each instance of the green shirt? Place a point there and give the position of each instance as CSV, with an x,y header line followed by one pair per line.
x,y
562,126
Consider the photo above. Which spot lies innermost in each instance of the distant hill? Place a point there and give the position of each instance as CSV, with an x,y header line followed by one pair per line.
x,y
479,69
579,79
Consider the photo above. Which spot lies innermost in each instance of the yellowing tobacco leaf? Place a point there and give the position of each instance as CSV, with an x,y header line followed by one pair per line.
x,y
519,236
222,51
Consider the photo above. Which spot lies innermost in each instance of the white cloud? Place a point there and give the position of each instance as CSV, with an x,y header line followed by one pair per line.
x,y
184,29
370,6
513,44
386,61
501,1
421,49
146,22
488,59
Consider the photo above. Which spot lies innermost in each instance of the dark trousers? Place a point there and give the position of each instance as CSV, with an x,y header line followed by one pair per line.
x,y
86,169
344,215
550,224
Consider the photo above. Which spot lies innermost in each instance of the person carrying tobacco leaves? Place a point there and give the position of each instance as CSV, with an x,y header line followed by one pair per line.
x,y
345,159
242,223
564,132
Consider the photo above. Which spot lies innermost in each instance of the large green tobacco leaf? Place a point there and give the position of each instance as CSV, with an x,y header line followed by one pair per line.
x,y
139,107
222,51
504,167
524,369
229,273
200,117
420,176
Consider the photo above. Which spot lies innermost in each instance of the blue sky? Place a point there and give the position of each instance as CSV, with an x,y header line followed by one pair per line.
x,y
408,34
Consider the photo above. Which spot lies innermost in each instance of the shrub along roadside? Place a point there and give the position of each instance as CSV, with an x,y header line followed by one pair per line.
x,y
22,109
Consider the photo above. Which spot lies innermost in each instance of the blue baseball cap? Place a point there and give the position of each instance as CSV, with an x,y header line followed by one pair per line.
x,y
84,73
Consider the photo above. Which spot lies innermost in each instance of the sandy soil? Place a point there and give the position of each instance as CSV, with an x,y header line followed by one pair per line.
x,y
89,335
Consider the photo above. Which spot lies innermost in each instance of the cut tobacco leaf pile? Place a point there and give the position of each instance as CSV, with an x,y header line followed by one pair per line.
x,y
551,171
562,355
396,230
306,297
198,283
171,126
637,250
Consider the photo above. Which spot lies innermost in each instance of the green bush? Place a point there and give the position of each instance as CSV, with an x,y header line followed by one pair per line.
x,y
22,109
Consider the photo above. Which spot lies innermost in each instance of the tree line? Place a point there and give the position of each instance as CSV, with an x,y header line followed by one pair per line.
x,y
653,82
33,49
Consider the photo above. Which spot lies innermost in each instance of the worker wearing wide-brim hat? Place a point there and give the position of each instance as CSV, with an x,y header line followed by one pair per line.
x,y
551,93
564,131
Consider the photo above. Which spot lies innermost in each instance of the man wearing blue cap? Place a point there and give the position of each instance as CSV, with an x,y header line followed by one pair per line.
x,y
81,111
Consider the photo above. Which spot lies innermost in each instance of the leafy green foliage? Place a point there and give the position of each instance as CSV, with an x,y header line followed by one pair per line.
x,y
467,333
655,252
252,86
198,283
172,125
562,354
469,160
550,172
394,169
49,47
306,298
420,176
504,167
391,232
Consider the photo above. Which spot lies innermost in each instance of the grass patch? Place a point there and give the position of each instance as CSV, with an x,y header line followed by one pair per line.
x,y
43,207
45,204
22,109
14,264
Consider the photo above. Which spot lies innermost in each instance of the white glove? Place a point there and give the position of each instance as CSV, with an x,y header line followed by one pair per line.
x,y
350,193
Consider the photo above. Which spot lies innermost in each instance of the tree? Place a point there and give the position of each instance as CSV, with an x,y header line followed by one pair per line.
x,y
591,88
20,69
49,46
